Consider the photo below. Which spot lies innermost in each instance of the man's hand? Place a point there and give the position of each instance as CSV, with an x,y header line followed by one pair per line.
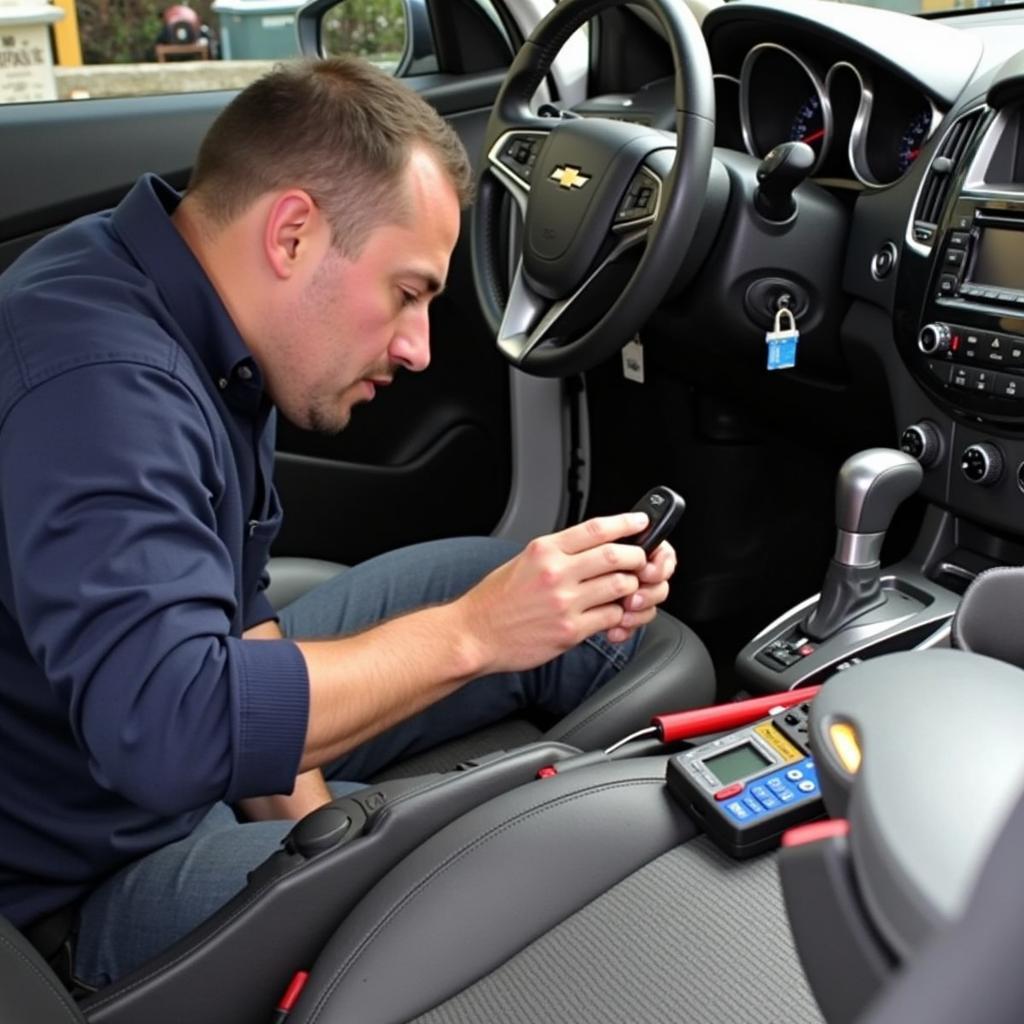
x,y
642,606
563,588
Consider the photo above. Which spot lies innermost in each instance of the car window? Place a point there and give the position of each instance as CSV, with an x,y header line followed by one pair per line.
x,y
91,49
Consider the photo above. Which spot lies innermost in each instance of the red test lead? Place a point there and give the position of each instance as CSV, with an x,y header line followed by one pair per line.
x,y
684,725
290,997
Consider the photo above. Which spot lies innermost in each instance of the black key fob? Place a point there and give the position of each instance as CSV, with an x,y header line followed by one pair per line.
x,y
664,508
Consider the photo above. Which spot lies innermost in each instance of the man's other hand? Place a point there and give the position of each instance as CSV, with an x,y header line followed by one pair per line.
x,y
565,587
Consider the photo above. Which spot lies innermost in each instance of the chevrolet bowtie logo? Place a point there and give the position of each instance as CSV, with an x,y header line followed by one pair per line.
x,y
569,177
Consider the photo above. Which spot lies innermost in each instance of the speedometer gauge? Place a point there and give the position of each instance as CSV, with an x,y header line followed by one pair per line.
x,y
782,99
809,124
912,139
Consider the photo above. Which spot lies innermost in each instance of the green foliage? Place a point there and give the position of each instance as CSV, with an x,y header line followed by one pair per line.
x,y
369,28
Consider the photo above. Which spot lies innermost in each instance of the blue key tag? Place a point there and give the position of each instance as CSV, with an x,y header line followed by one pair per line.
x,y
782,342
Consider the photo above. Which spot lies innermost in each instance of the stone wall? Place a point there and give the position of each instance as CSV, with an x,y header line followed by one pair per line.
x,y
100,80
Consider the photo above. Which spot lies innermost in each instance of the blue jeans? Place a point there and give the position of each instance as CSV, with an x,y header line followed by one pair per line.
x,y
145,907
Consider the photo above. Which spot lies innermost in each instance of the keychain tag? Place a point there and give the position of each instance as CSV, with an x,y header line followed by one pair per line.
x,y
782,342
633,360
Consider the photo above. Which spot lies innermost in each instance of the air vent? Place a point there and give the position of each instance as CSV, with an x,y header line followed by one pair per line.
x,y
939,176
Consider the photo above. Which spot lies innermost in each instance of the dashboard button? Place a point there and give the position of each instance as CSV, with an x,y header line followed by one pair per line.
x,y
1014,352
955,257
981,380
1008,386
960,377
959,239
947,284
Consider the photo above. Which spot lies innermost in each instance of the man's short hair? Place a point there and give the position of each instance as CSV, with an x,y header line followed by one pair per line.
x,y
341,129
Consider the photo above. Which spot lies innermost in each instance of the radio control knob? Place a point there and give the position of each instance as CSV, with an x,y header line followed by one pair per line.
x,y
923,442
933,339
982,463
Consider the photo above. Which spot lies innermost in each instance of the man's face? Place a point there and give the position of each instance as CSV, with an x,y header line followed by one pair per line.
x,y
358,321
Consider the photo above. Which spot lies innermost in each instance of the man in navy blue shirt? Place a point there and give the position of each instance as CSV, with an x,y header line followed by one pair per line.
x,y
145,680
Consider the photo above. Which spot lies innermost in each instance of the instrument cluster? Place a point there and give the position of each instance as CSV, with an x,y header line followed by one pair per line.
x,y
862,122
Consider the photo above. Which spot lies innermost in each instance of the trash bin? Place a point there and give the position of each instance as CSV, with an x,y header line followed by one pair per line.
x,y
257,29
26,60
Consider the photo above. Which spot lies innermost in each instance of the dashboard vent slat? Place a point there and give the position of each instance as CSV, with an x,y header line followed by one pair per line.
x,y
939,176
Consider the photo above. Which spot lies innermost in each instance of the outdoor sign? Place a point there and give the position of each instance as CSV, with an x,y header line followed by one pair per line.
x,y
26,57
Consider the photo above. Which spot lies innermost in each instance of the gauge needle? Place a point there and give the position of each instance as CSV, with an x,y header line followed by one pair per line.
x,y
814,136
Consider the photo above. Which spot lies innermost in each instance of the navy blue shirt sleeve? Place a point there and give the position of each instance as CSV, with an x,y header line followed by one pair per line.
x,y
110,478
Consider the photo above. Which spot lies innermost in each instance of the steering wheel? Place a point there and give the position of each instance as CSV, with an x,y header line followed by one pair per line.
x,y
590,190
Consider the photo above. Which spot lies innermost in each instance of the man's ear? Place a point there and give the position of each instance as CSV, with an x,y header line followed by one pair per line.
x,y
293,228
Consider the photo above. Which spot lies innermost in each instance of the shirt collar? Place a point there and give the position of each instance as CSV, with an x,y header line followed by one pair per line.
x,y
143,221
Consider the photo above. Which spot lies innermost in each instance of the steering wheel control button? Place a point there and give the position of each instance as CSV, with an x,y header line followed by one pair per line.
x,y
982,463
640,201
519,154
934,339
923,442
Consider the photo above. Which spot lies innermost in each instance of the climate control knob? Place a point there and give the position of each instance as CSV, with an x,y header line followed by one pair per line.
x,y
923,442
982,463
933,339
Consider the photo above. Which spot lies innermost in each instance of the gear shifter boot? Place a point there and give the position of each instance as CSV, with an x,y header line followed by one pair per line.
x,y
848,592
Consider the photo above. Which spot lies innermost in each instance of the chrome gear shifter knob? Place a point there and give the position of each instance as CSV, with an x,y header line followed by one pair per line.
x,y
872,484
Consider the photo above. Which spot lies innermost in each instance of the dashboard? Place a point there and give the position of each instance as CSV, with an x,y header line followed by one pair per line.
x,y
917,129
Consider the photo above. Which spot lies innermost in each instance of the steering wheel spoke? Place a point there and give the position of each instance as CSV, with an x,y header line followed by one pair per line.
x,y
530,320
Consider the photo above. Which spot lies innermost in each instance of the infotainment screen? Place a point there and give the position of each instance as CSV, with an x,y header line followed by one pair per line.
x,y
999,260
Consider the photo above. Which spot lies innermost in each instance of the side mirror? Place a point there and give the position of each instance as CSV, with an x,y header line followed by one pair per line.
x,y
395,35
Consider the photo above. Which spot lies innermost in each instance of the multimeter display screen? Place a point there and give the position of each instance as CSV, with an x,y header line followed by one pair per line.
x,y
737,763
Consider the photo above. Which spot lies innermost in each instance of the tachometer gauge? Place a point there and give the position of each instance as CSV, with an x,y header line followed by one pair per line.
x,y
913,137
809,124
782,99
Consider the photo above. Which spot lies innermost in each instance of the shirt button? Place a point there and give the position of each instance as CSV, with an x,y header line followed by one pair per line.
x,y
222,383
244,373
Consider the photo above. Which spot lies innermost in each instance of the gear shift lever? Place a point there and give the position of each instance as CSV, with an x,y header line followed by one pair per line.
x,y
870,488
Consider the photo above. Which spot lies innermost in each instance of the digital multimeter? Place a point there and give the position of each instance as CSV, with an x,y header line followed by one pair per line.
x,y
748,787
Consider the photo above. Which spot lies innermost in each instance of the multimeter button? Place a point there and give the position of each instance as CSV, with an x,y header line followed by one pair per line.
x,y
785,795
794,773
739,810
777,784
806,786
755,807
809,765
765,797
760,792
729,791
